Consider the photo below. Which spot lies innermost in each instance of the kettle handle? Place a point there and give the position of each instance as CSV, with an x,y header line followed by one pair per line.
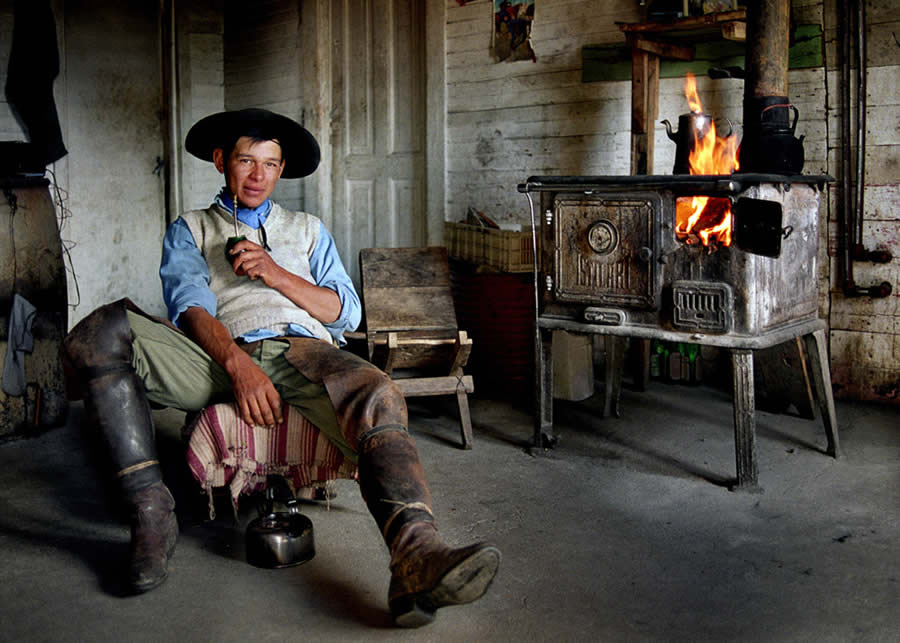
x,y
730,129
277,491
789,106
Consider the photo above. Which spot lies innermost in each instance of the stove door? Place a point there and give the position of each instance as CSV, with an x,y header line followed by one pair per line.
x,y
606,249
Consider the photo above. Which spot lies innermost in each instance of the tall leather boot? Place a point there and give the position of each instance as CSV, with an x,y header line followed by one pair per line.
x,y
98,351
426,573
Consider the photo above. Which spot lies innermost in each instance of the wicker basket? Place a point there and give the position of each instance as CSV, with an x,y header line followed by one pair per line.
x,y
505,250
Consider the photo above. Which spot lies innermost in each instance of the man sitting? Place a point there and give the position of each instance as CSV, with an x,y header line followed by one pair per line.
x,y
256,319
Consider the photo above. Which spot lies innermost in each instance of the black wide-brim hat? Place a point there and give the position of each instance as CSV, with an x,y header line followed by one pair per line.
x,y
298,147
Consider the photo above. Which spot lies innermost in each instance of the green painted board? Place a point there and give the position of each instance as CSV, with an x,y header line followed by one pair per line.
x,y
613,62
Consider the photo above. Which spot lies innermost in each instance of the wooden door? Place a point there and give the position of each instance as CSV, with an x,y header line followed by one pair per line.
x,y
378,126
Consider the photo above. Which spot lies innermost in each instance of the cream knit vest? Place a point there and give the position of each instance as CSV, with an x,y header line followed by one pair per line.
x,y
245,305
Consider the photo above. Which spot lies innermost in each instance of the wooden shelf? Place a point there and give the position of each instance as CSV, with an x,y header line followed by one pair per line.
x,y
710,20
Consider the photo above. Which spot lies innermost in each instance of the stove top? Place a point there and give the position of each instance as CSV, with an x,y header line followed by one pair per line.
x,y
700,183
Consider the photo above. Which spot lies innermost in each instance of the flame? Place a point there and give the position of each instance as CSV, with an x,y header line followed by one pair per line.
x,y
690,91
706,218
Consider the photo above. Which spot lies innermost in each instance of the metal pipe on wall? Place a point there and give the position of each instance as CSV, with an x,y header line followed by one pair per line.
x,y
851,216
860,120
859,250
845,214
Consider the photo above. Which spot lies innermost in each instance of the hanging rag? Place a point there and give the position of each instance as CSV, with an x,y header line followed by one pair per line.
x,y
19,342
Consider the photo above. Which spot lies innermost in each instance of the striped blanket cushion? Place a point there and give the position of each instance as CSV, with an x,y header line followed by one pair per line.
x,y
225,450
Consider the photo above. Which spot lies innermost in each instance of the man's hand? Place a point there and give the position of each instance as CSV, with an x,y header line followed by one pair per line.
x,y
251,260
256,397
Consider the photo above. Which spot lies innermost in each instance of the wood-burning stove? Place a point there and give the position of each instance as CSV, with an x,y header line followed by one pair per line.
x,y
613,262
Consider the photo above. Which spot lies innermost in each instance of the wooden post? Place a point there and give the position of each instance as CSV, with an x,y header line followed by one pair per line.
x,y
644,108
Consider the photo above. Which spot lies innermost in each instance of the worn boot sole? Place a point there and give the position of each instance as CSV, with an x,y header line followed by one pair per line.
x,y
465,582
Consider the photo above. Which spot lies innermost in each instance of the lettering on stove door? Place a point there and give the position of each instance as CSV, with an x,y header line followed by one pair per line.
x,y
602,276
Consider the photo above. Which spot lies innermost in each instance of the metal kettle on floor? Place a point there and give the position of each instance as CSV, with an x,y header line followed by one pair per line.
x,y
280,536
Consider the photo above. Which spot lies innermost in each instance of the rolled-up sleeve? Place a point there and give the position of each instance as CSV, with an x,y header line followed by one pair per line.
x,y
184,273
329,272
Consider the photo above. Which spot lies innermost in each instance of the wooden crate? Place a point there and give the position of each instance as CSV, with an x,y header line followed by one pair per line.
x,y
505,250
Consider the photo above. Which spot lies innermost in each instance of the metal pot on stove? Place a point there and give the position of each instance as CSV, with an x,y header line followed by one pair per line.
x,y
691,127
770,144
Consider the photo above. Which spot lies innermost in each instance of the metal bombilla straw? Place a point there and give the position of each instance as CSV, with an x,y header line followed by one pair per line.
x,y
234,209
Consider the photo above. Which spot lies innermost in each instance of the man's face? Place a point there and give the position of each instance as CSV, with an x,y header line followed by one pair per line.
x,y
252,170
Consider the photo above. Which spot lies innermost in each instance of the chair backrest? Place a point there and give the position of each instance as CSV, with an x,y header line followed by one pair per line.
x,y
406,289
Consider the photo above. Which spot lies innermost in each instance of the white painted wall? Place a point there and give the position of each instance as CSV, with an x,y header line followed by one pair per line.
x,y
108,99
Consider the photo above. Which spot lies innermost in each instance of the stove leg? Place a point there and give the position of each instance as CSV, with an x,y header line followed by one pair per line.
x,y
817,355
615,362
543,417
744,420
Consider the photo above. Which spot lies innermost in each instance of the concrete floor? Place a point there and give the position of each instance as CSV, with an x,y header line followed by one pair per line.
x,y
625,531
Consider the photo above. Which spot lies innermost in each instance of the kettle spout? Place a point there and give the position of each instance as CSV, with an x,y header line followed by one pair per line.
x,y
672,135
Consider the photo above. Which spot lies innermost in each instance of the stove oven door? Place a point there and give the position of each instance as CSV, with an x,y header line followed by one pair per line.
x,y
606,249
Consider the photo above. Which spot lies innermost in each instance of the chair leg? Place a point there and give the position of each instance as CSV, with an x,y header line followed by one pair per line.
x,y
465,419
821,375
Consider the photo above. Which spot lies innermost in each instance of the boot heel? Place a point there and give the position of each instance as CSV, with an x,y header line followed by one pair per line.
x,y
410,611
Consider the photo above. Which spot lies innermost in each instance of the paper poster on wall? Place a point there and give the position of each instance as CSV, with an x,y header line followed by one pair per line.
x,y
512,30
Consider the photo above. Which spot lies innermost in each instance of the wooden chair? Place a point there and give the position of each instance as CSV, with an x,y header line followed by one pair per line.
x,y
411,330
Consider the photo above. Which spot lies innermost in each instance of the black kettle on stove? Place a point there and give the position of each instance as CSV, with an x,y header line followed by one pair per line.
x,y
770,144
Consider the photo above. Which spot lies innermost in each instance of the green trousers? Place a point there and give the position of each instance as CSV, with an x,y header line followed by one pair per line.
x,y
178,373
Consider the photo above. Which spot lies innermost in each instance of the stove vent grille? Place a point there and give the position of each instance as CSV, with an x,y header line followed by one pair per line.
x,y
702,306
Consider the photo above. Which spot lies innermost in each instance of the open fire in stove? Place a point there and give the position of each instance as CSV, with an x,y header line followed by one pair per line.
x,y
705,219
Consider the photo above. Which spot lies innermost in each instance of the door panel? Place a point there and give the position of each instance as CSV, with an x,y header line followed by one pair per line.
x,y
378,126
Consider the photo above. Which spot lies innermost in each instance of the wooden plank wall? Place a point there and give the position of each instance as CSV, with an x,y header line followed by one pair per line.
x,y
865,333
263,67
506,121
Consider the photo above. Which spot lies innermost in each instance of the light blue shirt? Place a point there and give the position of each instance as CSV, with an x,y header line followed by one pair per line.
x,y
185,275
